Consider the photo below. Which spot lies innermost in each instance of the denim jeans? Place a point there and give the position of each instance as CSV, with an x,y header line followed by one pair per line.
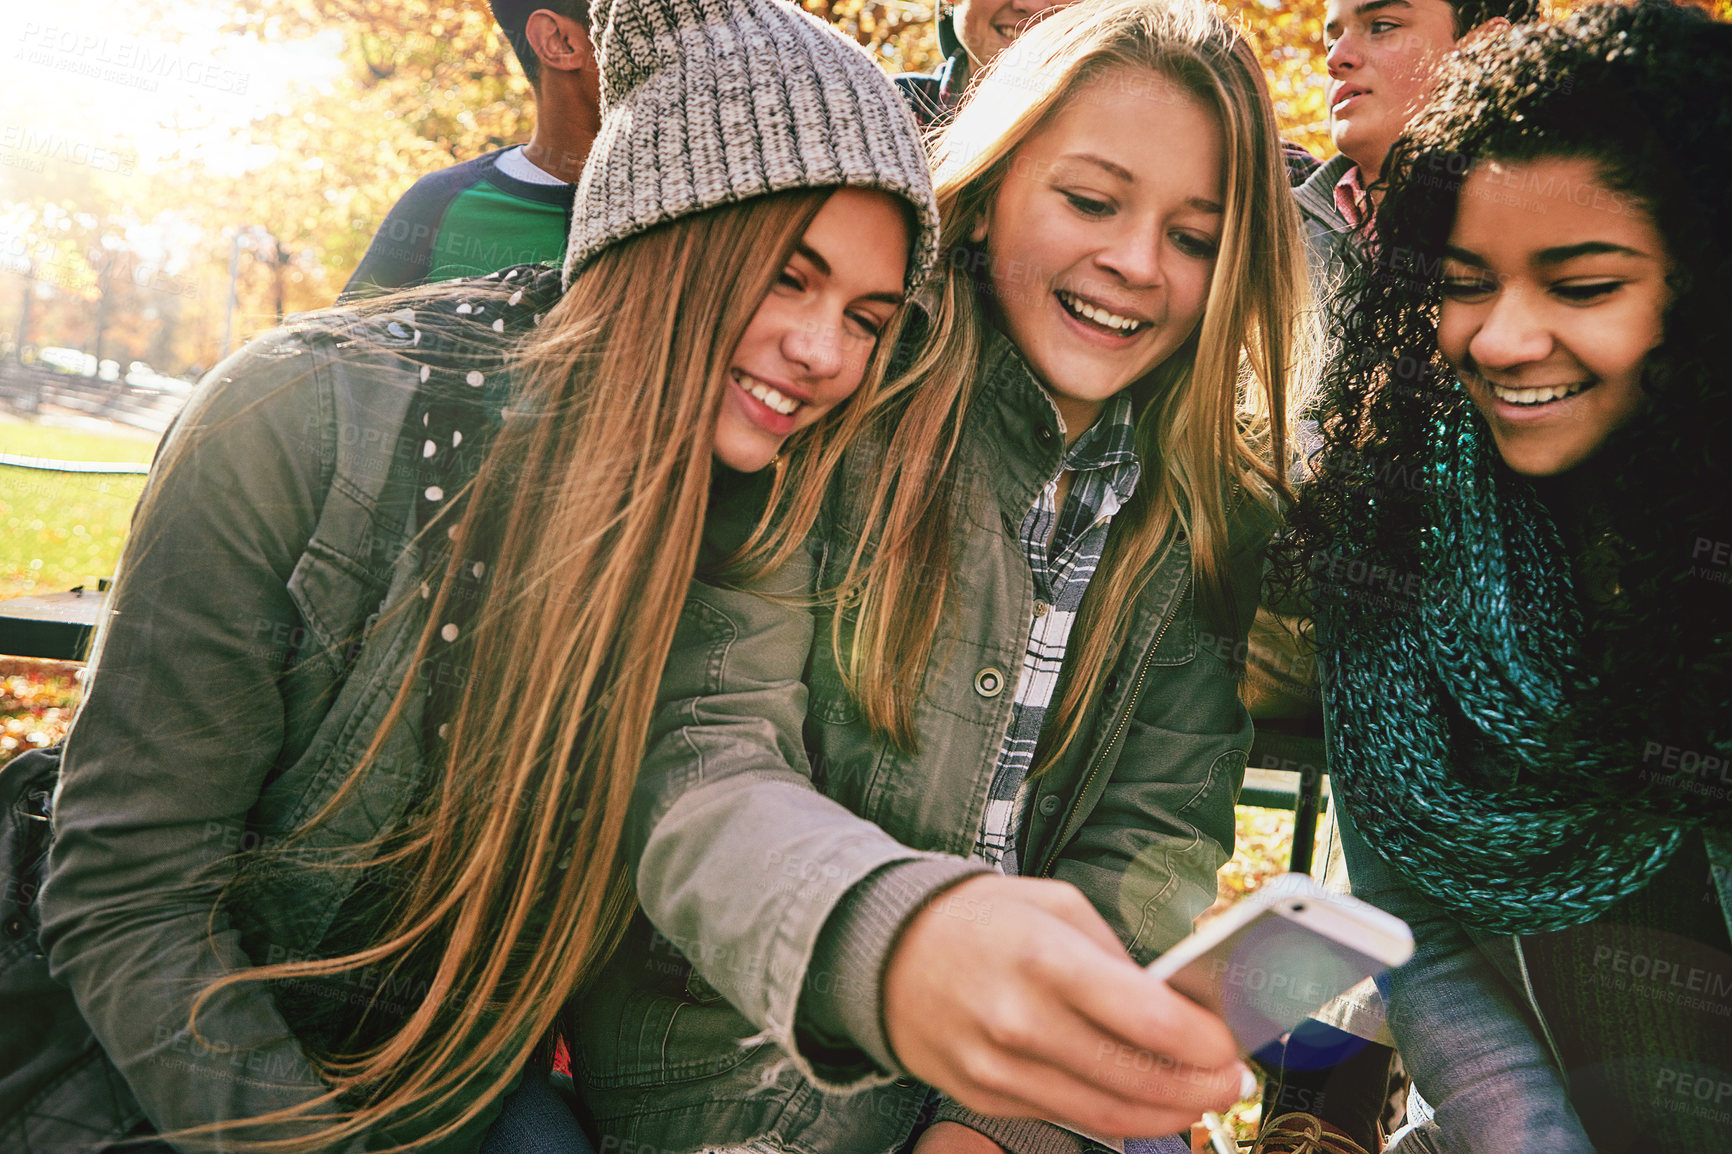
x,y
536,1120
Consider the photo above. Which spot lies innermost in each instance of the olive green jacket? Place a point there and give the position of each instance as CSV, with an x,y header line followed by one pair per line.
x,y
770,828
227,705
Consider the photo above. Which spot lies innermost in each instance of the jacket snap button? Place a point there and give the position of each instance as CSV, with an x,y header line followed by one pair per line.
x,y
14,927
1112,685
989,682
1044,435
1049,805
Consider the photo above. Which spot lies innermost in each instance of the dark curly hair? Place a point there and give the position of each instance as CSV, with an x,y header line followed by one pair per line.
x,y
1644,92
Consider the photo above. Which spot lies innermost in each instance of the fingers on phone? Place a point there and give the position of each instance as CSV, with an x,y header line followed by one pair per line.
x,y
1151,1077
1143,1012
1055,1040
1106,1100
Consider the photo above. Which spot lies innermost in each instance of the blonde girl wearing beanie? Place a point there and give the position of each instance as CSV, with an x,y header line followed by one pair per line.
x,y
921,835
336,831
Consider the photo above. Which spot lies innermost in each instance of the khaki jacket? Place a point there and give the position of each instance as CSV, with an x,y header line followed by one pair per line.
x,y
764,799
227,705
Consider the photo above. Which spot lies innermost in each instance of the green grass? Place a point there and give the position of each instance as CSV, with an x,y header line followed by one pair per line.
x,y
33,440
58,530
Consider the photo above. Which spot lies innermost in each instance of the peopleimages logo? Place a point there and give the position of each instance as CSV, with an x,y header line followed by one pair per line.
x,y
29,147
124,61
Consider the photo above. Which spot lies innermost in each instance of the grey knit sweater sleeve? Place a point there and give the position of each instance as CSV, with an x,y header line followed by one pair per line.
x,y
843,999
1022,1135
842,1004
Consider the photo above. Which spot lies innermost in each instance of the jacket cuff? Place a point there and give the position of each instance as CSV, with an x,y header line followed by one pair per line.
x,y
1021,1135
842,1002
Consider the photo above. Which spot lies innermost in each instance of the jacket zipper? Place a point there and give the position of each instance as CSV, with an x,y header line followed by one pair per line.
x,y
1118,731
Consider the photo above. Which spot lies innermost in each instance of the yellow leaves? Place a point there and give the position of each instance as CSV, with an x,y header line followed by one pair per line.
x,y
1264,845
1288,39
901,35
37,700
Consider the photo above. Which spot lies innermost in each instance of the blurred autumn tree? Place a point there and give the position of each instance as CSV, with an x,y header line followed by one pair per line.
x,y
428,83
424,85
902,35
284,216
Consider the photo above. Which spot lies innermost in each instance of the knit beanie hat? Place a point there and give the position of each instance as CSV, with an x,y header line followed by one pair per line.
x,y
711,102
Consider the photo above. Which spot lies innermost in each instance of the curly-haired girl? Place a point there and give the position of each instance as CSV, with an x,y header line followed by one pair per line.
x,y
1511,539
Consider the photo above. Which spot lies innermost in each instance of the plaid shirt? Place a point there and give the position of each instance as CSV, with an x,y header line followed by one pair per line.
x,y
1352,199
1105,461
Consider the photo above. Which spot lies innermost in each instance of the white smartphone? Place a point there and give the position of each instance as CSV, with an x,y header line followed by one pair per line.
x,y
1277,956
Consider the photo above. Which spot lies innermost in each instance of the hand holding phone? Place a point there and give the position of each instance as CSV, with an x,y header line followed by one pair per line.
x,y
1279,955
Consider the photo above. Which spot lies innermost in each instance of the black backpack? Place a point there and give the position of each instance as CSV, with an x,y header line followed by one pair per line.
x,y
47,1053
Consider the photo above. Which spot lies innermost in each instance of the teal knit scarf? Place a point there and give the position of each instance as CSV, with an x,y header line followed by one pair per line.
x,y
1440,710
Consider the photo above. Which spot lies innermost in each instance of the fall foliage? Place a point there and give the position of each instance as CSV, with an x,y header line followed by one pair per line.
x,y
129,253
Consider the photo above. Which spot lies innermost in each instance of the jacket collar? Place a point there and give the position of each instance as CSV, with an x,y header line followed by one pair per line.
x,y
1316,196
1017,424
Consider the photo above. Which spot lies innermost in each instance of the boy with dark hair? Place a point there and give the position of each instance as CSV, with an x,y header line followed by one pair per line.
x,y
1382,58
512,206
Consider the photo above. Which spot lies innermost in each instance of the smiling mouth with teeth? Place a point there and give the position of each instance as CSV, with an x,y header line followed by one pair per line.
x,y
1543,395
1094,314
772,400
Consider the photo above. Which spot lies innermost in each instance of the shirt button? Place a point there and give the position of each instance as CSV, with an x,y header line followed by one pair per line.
x,y
1040,608
989,682
1049,805
1043,434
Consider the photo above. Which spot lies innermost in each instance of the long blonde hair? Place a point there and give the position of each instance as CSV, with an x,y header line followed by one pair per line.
x,y
591,514
1210,419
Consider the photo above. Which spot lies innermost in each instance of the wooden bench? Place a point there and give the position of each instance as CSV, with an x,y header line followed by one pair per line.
x,y
57,626
1285,771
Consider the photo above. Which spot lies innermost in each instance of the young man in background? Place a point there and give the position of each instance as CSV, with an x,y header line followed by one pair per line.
x,y
970,35
512,206
1382,56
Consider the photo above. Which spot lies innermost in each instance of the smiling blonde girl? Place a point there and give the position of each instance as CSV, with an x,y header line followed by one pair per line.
x,y
922,833
336,833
